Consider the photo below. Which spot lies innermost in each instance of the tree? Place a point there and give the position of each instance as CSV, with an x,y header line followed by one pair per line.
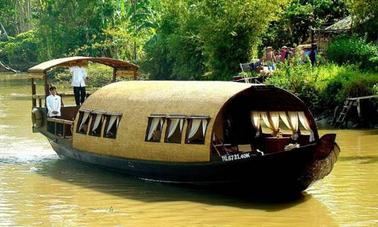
x,y
365,17
209,37
300,16
67,25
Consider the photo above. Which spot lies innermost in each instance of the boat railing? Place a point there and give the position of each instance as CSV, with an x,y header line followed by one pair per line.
x,y
67,124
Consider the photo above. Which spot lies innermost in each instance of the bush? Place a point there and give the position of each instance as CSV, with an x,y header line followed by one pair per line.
x,y
325,87
300,80
352,50
372,64
20,52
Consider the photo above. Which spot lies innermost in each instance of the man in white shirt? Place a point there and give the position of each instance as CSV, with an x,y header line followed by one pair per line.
x,y
53,103
79,74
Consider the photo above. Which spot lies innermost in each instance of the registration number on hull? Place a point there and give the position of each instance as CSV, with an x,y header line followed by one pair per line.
x,y
227,158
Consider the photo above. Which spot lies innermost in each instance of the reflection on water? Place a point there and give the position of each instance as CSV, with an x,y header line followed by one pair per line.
x,y
38,188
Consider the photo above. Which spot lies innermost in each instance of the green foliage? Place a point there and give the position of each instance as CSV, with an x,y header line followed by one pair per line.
x,y
375,89
294,24
68,25
175,51
98,28
365,17
300,80
20,52
207,39
352,50
325,87
372,64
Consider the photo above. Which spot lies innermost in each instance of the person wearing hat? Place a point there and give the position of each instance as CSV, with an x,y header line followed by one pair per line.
x,y
269,58
284,53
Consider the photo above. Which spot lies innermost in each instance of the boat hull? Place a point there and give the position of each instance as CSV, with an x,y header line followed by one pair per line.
x,y
291,170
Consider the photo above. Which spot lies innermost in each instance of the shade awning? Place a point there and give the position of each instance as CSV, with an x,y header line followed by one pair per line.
x,y
69,61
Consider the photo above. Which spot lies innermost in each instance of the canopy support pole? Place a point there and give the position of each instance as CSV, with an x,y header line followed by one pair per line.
x,y
46,85
114,75
34,92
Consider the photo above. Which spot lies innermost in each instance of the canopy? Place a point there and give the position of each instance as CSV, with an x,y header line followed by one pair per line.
x,y
66,62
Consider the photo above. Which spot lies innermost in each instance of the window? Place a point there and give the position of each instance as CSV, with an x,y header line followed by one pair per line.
x,y
83,122
96,124
196,131
154,128
111,125
175,126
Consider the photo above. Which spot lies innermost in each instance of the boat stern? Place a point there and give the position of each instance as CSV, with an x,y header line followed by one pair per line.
x,y
325,157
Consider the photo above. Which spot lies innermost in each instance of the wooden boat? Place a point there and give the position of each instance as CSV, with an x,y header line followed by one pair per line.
x,y
195,132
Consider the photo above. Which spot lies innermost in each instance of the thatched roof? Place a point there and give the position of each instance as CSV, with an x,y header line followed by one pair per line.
x,y
137,100
66,62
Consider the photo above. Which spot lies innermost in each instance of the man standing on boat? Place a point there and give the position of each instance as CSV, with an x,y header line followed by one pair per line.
x,y
79,74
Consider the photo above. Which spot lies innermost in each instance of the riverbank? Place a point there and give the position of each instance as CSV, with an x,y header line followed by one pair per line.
x,y
325,87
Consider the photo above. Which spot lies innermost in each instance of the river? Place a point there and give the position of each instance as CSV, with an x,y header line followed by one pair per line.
x,y
37,188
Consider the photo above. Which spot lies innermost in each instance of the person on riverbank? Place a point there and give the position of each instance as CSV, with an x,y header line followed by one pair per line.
x,y
79,74
284,54
270,59
312,54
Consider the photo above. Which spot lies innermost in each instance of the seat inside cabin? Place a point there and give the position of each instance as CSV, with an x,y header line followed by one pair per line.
x,y
262,121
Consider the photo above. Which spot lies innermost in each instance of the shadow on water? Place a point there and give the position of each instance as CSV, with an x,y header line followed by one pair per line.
x,y
128,187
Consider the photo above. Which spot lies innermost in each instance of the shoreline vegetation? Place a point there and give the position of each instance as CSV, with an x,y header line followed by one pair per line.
x,y
204,40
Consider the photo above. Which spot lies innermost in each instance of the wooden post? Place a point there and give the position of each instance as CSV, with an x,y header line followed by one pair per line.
x,y
114,75
46,85
34,100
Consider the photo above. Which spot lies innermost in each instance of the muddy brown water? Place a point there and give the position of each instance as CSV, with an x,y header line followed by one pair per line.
x,y
37,188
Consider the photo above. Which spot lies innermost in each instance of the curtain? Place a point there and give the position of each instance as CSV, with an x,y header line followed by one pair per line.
x,y
195,126
204,126
293,120
96,122
271,120
83,120
111,123
153,126
181,124
305,124
173,126
285,119
256,117
274,118
264,116
256,122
